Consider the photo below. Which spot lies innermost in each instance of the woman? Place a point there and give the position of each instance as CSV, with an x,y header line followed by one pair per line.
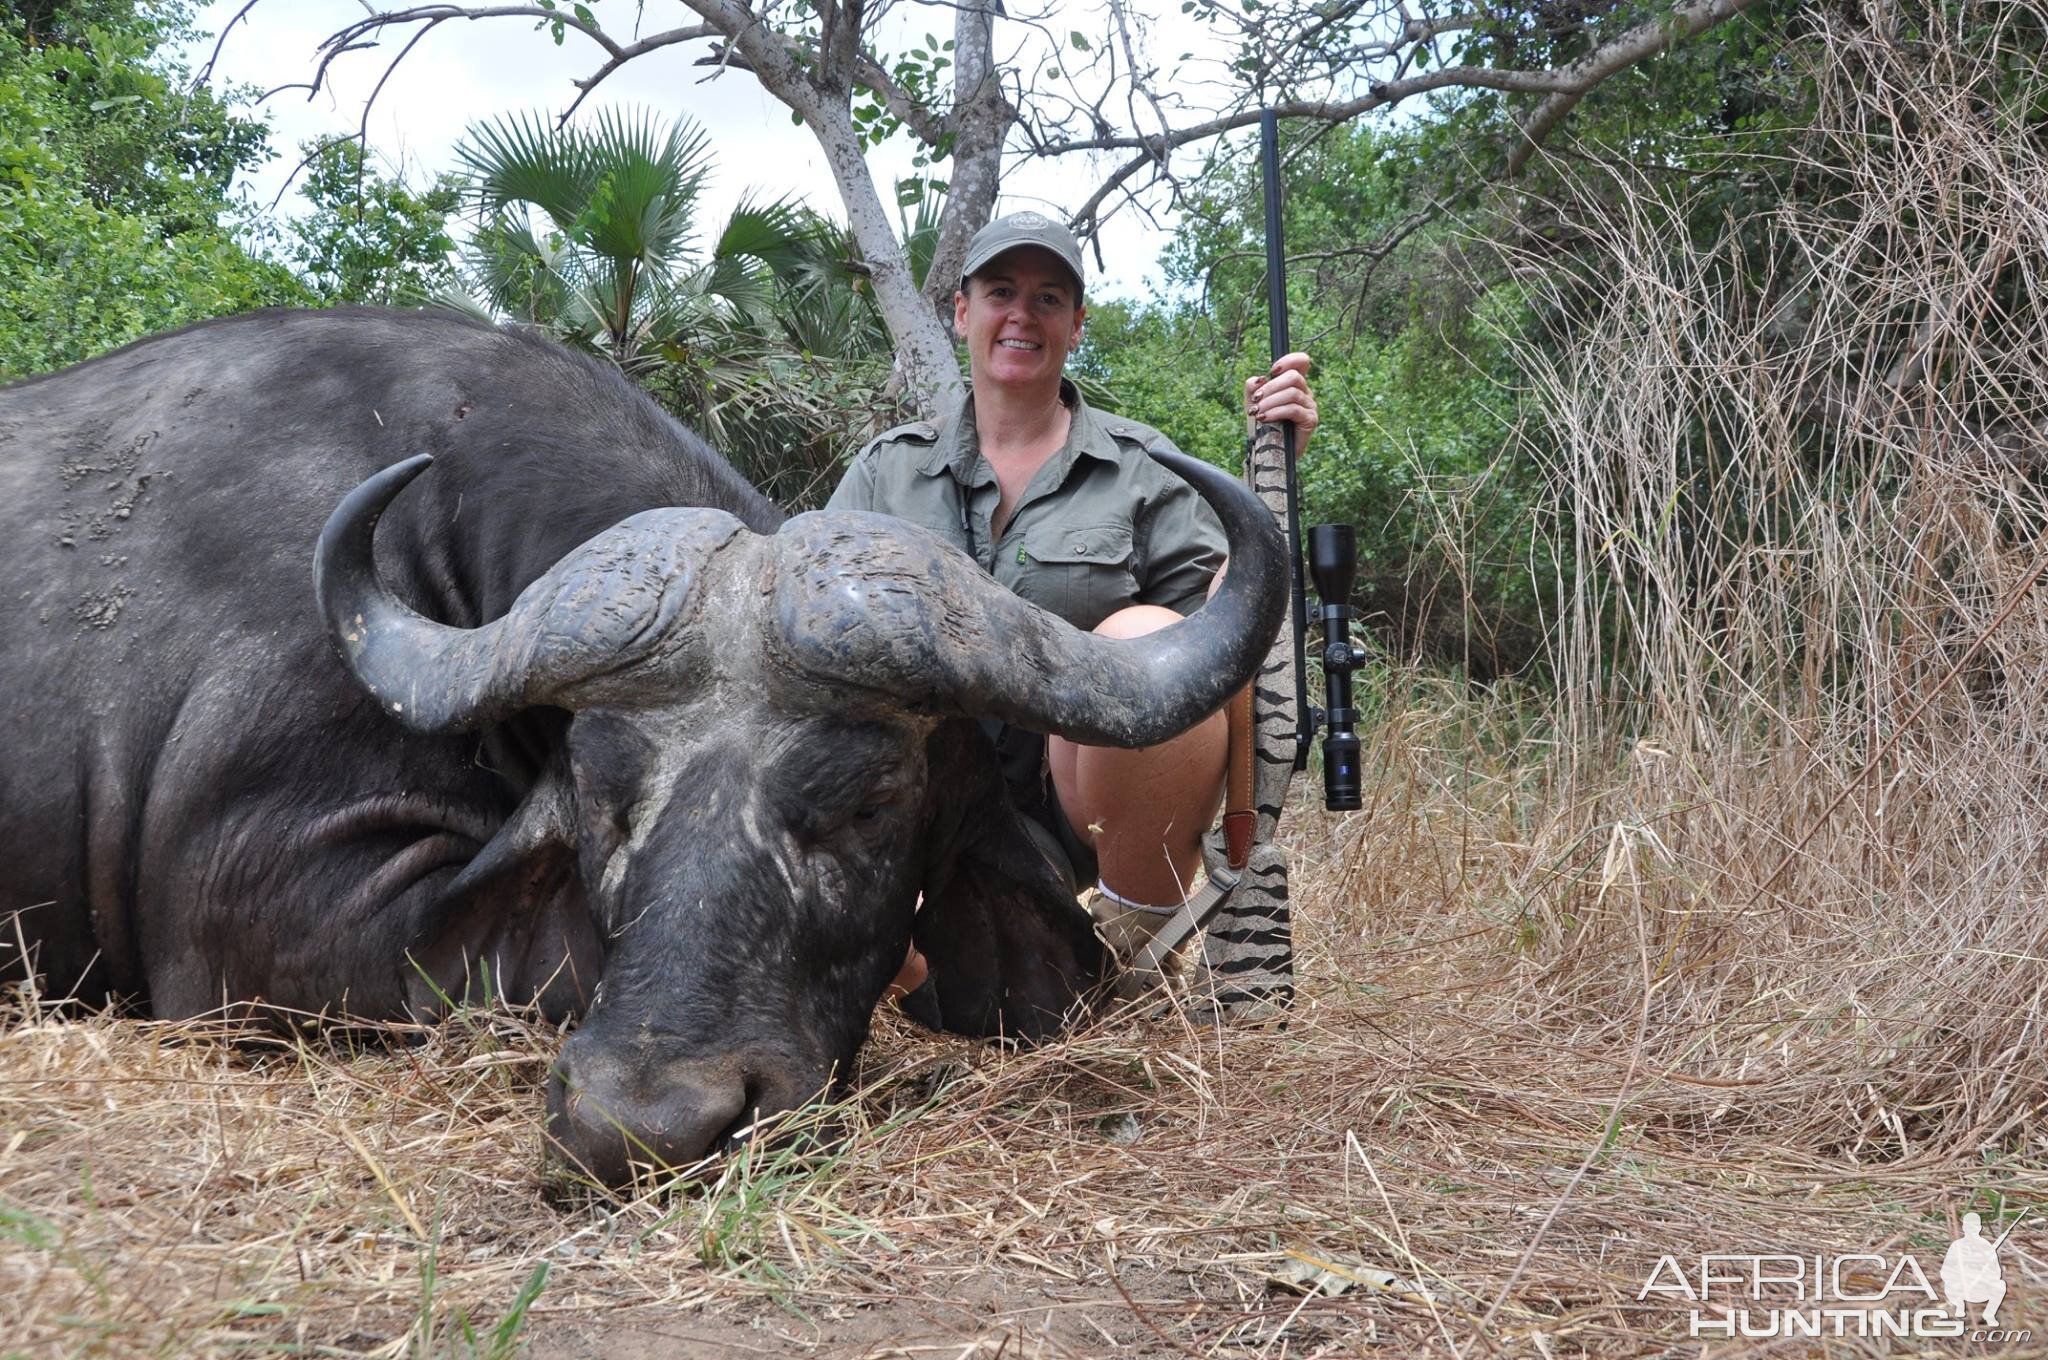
x,y
1065,506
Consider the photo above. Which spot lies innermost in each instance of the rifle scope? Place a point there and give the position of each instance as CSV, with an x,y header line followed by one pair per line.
x,y
1333,565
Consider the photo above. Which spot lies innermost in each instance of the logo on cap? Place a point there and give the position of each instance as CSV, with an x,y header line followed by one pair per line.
x,y
1030,221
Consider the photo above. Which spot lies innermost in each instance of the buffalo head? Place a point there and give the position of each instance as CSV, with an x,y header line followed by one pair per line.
x,y
769,756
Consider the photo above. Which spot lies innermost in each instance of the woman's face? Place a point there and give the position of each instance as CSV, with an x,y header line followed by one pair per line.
x,y
1020,319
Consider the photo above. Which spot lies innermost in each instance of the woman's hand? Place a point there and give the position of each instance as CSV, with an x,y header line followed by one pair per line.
x,y
1283,394
908,978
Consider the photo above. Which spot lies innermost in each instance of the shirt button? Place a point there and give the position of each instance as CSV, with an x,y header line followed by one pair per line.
x,y
1075,546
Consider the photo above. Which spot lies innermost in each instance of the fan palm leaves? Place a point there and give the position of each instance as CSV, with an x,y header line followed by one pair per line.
x,y
759,331
592,231
828,309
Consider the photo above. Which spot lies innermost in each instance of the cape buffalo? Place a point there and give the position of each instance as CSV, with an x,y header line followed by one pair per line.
x,y
682,771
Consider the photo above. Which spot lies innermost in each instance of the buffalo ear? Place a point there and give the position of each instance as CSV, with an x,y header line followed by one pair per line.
x,y
514,924
1011,952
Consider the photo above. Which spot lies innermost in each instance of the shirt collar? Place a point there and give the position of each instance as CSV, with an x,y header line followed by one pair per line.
x,y
956,449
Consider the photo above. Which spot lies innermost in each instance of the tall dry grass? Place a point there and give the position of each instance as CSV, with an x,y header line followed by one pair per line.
x,y
1734,943
1803,473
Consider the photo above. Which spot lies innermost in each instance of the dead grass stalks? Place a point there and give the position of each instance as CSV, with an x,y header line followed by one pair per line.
x,y
1734,943
1801,471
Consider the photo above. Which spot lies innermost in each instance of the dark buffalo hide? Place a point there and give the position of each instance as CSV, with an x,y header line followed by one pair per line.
x,y
689,783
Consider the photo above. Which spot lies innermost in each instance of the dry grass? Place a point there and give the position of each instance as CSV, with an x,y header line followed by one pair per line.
x,y
1801,471
1462,1112
1735,943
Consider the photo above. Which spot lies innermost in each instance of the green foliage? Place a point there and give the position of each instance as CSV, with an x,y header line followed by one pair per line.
x,y
591,233
1411,376
919,72
761,336
113,185
369,238
1402,287
114,110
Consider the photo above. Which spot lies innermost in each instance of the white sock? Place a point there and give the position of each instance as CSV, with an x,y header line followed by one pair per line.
x,y
1128,905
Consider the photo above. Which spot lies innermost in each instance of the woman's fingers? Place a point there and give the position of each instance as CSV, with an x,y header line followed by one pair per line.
x,y
1284,395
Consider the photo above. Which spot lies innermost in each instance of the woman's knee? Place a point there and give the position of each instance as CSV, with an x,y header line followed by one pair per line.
x,y
1137,620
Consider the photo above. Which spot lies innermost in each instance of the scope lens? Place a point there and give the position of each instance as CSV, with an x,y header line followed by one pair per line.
x,y
1341,782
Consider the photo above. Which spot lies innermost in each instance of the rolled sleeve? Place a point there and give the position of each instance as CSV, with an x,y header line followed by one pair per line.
x,y
1183,547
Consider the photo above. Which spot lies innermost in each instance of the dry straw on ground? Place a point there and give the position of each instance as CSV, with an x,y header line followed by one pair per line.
x,y
1495,1165
1735,943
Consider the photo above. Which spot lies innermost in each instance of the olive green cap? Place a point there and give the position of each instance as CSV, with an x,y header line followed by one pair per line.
x,y
1025,229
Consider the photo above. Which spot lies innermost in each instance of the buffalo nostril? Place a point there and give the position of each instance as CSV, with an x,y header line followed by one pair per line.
x,y
615,1127
736,1134
784,1115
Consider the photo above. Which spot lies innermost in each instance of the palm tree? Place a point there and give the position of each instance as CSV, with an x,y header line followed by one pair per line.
x,y
591,232
768,342
827,306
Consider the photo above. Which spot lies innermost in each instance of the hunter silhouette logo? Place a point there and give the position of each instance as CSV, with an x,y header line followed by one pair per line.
x,y
1970,1273
1866,1294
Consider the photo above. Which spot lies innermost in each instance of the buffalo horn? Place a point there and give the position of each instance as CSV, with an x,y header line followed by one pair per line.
x,y
908,617
576,633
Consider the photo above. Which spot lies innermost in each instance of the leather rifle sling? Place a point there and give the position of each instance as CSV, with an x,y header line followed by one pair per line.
x,y
1240,818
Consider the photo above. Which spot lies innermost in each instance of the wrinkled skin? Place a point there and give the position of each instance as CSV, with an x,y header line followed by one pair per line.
x,y
707,840
844,826
687,967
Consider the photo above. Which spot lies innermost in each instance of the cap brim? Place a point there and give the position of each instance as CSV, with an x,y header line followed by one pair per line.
x,y
975,264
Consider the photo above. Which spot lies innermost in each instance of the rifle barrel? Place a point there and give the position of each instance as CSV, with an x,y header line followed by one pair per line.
x,y
1276,325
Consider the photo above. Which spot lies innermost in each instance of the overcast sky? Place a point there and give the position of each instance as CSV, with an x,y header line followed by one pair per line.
x,y
464,71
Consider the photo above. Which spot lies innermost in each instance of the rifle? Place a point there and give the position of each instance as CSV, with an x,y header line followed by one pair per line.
x,y
1333,548
1250,950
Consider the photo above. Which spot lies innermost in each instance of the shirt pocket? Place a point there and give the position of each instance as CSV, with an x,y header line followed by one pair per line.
x,y
1081,573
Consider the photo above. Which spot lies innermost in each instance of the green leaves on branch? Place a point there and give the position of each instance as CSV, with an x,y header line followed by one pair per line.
x,y
557,29
919,74
113,187
370,238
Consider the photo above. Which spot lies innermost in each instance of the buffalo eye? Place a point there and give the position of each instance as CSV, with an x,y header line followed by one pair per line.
x,y
821,825
833,780
609,759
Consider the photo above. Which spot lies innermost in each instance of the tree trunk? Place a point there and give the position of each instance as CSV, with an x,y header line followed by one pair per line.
x,y
925,362
980,120
924,347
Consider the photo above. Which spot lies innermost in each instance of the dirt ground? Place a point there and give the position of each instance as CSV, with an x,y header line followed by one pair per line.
x,y
1460,1143
1003,1313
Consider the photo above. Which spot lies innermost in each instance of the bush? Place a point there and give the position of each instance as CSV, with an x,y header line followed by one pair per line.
x,y
113,185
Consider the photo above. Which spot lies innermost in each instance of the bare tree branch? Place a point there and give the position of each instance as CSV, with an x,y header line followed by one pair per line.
x,y
1565,86
628,53
377,20
205,73
1638,44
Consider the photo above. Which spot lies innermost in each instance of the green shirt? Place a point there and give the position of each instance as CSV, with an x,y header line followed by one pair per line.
x,y
1100,526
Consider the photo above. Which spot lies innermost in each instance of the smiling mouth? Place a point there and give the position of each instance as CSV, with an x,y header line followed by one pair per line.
x,y
1019,344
